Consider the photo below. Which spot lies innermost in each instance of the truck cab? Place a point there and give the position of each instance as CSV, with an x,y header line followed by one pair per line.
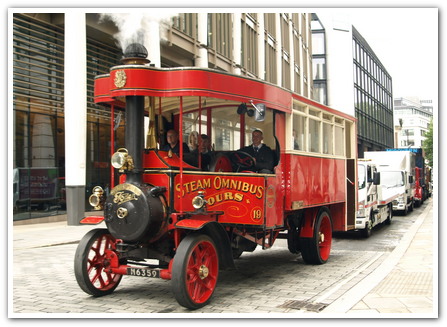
x,y
367,195
397,169
375,197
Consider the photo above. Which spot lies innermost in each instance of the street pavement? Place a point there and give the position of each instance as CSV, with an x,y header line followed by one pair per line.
x,y
273,283
406,284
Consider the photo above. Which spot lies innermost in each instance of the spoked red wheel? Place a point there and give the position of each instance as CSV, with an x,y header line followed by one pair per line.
x,y
317,249
91,262
324,236
195,271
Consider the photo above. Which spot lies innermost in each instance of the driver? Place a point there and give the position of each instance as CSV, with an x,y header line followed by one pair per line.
x,y
262,153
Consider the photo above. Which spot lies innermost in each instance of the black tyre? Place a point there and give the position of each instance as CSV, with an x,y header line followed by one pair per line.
x,y
367,231
390,214
316,250
90,263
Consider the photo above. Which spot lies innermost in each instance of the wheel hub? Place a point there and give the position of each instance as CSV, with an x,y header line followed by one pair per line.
x,y
203,272
321,237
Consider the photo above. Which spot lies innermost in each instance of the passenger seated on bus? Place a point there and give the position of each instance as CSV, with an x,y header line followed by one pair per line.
x,y
193,140
173,143
262,153
294,141
206,154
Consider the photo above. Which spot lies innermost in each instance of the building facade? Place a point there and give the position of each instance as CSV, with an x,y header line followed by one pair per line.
x,y
412,118
275,47
355,80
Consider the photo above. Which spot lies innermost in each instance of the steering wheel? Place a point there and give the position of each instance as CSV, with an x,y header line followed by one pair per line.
x,y
243,161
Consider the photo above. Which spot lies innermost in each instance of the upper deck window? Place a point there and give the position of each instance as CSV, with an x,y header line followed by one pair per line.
x,y
317,131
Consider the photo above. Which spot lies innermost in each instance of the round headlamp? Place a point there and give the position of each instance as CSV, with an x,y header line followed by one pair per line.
x,y
119,158
96,199
198,202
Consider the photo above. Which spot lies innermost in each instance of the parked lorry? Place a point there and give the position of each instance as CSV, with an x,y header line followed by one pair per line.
x,y
397,169
428,180
421,192
375,197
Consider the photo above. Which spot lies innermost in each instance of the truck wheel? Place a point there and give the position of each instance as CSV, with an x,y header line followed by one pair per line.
x,y
90,263
390,215
369,226
367,231
195,271
316,250
405,211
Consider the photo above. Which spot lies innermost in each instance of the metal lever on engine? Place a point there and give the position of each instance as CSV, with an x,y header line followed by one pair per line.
x,y
157,191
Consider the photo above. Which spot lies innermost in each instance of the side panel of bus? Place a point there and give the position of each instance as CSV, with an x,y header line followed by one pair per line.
x,y
315,181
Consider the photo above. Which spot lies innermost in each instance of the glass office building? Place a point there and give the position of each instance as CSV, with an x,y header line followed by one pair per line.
x,y
350,77
373,98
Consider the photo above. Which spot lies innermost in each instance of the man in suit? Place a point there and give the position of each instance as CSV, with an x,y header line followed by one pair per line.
x,y
206,154
173,143
262,153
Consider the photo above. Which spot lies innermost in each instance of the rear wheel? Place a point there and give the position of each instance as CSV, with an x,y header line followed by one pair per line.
x,y
317,249
91,263
195,271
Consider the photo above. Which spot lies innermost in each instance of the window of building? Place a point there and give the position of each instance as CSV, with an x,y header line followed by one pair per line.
x,y
249,45
39,138
318,45
270,58
319,68
186,23
297,56
285,39
219,33
285,71
319,92
270,23
38,149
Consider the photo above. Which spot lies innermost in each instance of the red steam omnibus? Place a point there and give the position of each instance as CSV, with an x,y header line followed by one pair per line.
x,y
171,217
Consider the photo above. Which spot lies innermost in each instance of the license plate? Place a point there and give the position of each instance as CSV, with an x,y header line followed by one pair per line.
x,y
144,272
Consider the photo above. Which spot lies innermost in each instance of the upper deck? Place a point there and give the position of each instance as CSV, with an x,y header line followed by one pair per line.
x,y
131,80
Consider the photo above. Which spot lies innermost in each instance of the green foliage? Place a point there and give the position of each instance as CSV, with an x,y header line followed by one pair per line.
x,y
428,144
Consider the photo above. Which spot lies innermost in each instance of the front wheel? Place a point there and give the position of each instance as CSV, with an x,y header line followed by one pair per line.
x,y
390,215
316,250
368,228
90,263
195,271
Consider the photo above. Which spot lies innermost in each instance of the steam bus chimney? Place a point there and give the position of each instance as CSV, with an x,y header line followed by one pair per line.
x,y
135,54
